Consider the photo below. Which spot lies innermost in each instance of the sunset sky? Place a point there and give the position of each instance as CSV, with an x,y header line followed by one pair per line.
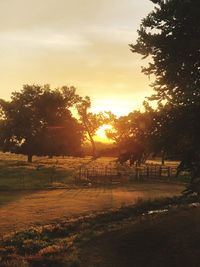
x,y
81,42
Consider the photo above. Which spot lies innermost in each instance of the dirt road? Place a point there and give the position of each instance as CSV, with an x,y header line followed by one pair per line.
x,y
39,208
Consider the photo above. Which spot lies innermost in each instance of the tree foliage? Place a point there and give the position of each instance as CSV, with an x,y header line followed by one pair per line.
x,y
170,38
38,121
131,134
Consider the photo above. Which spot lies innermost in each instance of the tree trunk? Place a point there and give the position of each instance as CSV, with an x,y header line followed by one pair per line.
x,y
30,157
94,152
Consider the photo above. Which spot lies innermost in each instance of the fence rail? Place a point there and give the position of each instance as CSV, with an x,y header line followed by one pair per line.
x,y
119,173
95,173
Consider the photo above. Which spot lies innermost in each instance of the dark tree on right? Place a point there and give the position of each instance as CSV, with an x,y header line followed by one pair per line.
x,y
170,38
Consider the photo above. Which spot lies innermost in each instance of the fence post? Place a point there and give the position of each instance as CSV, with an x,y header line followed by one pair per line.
x,y
106,170
23,182
169,172
80,173
77,176
137,175
160,171
147,172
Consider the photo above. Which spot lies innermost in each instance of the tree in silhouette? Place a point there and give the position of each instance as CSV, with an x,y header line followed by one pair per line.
x,y
170,37
131,134
38,121
90,121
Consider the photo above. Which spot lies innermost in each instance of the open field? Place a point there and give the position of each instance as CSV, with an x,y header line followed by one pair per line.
x,y
38,208
17,174
45,173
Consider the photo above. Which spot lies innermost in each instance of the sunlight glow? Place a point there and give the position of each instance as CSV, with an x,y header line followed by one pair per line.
x,y
101,134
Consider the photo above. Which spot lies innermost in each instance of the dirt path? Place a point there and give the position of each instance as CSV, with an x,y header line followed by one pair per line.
x,y
43,207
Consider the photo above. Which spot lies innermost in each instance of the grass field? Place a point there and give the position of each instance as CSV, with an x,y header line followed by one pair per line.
x,y
17,174
44,173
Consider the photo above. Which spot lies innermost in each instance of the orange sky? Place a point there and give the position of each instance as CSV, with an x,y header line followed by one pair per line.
x,y
81,42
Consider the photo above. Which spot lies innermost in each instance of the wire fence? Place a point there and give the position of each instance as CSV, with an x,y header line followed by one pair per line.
x,y
118,173
102,171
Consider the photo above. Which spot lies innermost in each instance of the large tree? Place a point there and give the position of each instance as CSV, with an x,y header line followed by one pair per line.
x,y
170,38
38,121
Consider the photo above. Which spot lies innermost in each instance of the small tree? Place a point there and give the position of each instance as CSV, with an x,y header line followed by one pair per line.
x,y
131,135
90,121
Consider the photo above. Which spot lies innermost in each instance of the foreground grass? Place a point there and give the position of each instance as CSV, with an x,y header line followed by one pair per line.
x,y
68,243
170,239
30,177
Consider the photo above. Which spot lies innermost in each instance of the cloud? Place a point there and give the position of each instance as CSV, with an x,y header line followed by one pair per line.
x,y
42,39
80,42
68,14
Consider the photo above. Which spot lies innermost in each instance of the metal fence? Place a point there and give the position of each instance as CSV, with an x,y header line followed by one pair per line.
x,y
119,173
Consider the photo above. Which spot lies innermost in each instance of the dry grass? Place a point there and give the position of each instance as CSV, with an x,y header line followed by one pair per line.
x,y
43,173
17,174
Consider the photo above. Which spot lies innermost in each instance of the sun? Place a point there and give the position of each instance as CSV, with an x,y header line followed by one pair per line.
x,y
101,134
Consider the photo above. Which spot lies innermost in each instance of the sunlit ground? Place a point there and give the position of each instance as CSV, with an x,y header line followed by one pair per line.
x,y
31,208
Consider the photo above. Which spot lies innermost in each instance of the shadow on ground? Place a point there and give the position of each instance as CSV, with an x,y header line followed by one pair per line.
x,y
170,240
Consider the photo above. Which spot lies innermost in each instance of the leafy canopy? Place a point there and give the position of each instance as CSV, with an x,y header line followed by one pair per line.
x,y
38,121
170,38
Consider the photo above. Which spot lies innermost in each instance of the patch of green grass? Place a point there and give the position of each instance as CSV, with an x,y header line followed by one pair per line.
x,y
31,177
17,174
